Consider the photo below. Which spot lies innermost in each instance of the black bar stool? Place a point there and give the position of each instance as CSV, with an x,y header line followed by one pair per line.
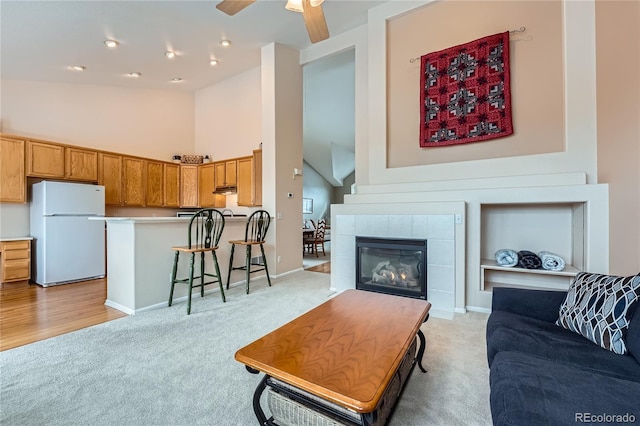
x,y
255,234
205,229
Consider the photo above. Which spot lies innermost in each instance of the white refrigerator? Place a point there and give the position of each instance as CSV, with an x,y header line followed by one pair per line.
x,y
67,246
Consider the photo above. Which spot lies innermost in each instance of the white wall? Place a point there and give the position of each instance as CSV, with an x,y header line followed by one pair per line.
x,y
329,115
149,123
228,117
319,190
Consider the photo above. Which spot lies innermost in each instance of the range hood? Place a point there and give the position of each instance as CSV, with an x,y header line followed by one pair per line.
x,y
226,190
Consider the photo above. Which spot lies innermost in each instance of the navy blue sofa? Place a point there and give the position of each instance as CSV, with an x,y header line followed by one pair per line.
x,y
543,374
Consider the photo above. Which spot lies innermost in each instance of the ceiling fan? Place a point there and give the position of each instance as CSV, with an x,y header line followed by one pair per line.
x,y
311,12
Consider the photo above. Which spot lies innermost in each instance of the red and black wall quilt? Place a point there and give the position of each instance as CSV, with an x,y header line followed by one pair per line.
x,y
465,93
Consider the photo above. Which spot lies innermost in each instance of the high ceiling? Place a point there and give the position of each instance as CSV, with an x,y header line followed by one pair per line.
x,y
41,39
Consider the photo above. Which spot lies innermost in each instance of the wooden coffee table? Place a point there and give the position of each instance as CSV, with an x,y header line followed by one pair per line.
x,y
345,351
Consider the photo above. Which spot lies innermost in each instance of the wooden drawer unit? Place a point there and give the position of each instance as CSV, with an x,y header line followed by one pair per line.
x,y
15,260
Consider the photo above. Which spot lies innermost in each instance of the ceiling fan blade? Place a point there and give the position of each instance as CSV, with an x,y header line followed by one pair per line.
x,y
231,7
315,22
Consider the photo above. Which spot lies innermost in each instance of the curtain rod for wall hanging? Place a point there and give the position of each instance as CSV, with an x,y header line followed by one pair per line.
x,y
519,30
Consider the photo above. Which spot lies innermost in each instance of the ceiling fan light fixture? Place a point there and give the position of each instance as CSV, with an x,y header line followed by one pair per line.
x,y
213,62
77,67
169,54
112,44
295,5
225,43
134,74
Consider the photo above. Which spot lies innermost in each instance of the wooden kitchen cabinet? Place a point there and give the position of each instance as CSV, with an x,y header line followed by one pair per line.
x,y
250,180
206,186
13,182
257,177
154,193
80,164
49,160
226,173
171,185
15,260
110,176
134,171
245,192
45,160
189,186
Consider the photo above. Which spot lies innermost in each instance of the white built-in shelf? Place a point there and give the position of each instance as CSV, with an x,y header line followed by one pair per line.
x,y
568,271
494,275
557,227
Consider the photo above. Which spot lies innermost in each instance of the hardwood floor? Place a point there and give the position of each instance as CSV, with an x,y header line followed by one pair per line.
x,y
323,267
29,313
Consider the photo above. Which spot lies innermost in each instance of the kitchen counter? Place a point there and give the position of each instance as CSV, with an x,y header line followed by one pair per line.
x,y
15,239
161,219
140,259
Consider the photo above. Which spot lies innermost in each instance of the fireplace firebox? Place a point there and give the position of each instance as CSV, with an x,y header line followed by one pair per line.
x,y
392,266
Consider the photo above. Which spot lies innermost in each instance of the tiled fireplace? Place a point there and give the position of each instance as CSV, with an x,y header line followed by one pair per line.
x,y
413,223
392,266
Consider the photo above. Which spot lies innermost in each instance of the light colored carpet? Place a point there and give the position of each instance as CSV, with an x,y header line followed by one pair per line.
x,y
163,367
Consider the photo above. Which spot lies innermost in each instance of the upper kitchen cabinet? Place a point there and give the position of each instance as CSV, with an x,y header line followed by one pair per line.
x,y
48,160
12,174
45,160
250,180
189,186
134,171
171,185
110,175
155,184
257,177
226,173
206,186
81,164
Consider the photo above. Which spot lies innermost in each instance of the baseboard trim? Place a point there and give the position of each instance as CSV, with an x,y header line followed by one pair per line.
x,y
478,309
119,307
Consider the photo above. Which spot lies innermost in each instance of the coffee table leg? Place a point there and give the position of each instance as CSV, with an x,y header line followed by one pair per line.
x,y
423,343
251,370
257,409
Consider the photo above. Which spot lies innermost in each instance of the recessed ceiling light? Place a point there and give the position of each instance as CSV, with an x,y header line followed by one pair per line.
x,y
176,80
134,74
111,43
213,62
77,67
225,43
169,54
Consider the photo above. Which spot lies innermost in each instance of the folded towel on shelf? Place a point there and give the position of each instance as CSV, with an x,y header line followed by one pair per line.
x,y
529,260
506,257
551,261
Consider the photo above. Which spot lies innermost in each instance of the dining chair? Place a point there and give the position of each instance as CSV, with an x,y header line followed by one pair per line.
x,y
319,236
204,231
255,234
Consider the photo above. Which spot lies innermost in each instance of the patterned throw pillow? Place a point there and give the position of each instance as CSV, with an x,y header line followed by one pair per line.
x,y
599,307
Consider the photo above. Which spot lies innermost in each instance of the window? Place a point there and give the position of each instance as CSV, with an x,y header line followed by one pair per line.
x,y
307,205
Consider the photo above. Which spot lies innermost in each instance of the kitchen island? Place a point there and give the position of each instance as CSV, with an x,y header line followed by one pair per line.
x,y
140,259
